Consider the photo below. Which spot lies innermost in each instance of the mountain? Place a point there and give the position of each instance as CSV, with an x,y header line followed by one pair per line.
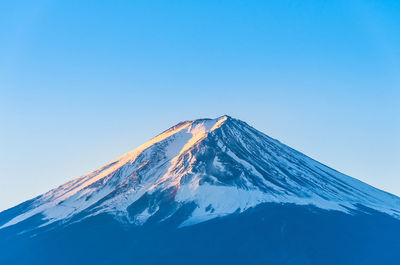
x,y
207,190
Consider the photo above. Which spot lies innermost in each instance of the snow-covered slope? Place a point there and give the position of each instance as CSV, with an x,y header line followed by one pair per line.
x,y
215,166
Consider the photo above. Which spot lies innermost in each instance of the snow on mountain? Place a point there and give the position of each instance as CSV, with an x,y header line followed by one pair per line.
x,y
217,166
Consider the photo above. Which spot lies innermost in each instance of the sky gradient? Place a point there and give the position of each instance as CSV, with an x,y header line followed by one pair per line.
x,y
82,82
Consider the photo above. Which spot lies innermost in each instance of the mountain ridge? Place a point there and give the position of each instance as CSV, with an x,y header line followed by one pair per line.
x,y
219,166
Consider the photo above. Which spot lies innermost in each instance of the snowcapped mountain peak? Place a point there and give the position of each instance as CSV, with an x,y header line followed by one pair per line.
x,y
211,168
188,132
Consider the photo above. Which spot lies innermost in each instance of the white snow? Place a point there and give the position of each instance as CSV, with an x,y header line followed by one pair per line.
x,y
162,162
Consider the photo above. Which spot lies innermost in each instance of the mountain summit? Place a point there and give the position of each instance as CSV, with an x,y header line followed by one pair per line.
x,y
212,167
222,171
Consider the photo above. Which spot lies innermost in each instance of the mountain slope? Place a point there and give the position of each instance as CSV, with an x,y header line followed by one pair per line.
x,y
208,191
210,168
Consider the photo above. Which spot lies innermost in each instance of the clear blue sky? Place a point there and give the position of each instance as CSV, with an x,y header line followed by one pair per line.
x,y
83,82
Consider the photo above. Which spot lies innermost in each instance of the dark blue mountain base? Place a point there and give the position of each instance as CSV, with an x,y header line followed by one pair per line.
x,y
267,234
